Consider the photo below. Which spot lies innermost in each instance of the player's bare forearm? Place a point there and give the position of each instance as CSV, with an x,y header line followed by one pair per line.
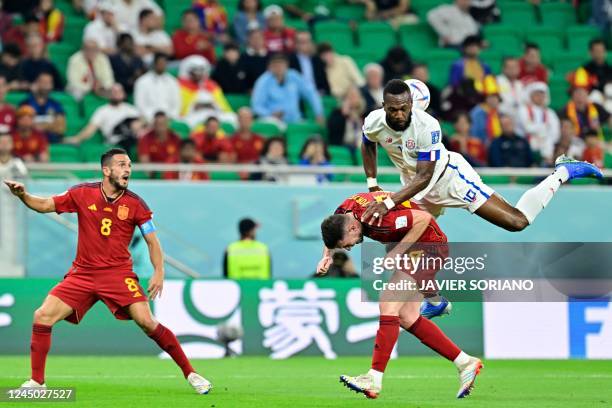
x,y
420,221
156,283
325,261
424,173
368,153
38,204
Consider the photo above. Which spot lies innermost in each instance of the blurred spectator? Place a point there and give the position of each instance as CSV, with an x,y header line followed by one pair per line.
x,y
469,66
229,73
246,144
11,167
118,121
50,115
196,85
157,91
372,91
277,94
7,111
190,39
396,12
485,11
9,67
247,258
309,12
160,144
510,87
593,152
188,155
532,69
315,153
213,18
128,13
249,15
570,143
104,29
277,37
601,16
204,106
89,70
469,146
341,267
212,143
19,34
598,66
254,59
461,98
538,123
509,149
342,72
149,38
51,21
308,63
274,153
485,117
35,63
345,122
29,144
397,64
421,72
583,113
453,23
127,65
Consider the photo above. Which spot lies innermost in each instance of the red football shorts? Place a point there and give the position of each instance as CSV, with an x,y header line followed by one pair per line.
x,y
82,288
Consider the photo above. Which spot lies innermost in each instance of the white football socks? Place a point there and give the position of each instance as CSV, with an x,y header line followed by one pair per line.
x,y
461,360
535,199
377,376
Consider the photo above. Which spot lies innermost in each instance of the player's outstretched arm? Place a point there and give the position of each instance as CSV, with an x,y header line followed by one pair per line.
x,y
420,221
370,164
38,204
156,283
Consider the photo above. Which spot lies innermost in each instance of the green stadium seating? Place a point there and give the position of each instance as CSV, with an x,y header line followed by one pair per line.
x,y
350,11
578,37
15,98
297,24
377,37
341,156
298,133
558,92
60,153
180,128
550,41
91,102
418,38
558,14
266,129
237,101
439,62
494,59
173,10
338,34
228,128
520,15
421,7
565,62
224,176
329,104
91,152
363,57
504,39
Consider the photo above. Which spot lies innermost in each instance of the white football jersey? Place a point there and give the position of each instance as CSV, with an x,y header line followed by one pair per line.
x,y
422,141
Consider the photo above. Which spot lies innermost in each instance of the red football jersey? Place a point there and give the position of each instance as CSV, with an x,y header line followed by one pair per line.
x,y
159,151
105,228
33,145
395,224
247,151
7,118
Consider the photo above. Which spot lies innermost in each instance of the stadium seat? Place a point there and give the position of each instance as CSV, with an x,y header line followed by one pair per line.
x,y
363,57
558,92
421,7
297,24
180,128
520,15
350,11
266,129
417,38
15,98
91,152
377,37
60,53
439,62
578,37
341,156
338,34
493,57
565,62
60,153
173,10
91,102
237,101
558,14
224,176
298,133
228,128
504,39
550,40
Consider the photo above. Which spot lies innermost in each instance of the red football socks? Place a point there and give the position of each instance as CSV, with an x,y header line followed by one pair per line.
x,y
167,341
434,338
386,337
39,347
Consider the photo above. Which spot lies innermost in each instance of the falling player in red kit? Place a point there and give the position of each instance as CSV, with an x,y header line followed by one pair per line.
x,y
405,228
108,213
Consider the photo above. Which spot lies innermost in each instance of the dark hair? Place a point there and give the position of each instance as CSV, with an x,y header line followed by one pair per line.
x,y
30,17
2,134
508,58
241,5
123,37
462,114
189,11
596,41
187,142
108,155
231,45
589,132
12,49
159,114
159,55
471,40
315,139
41,73
210,119
531,46
269,141
396,87
332,230
144,14
278,56
324,47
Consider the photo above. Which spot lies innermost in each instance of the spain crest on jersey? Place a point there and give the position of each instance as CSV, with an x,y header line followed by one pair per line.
x,y
123,212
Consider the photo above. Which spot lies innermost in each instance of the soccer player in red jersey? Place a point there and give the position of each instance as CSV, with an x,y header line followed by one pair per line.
x,y
102,270
405,227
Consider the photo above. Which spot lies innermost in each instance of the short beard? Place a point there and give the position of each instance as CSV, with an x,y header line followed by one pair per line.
x,y
115,183
395,127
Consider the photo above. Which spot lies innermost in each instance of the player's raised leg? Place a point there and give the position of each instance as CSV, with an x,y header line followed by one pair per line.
x,y
50,312
140,312
433,337
499,212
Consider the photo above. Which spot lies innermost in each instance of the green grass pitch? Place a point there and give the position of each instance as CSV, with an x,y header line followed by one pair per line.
x,y
313,382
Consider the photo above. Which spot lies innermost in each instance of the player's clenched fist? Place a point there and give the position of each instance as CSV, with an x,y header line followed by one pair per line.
x,y
18,189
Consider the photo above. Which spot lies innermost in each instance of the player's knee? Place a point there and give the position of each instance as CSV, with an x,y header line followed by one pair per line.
x,y
147,324
42,316
408,319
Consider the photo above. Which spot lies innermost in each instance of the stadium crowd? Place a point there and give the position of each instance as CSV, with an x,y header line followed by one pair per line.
x,y
245,82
